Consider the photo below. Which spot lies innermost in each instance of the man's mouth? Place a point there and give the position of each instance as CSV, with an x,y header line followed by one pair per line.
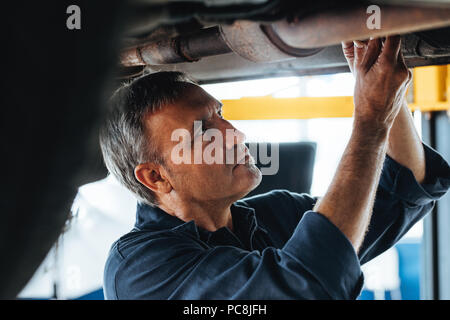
x,y
244,160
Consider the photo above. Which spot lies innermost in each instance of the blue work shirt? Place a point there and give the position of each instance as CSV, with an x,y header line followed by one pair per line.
x,y
280,248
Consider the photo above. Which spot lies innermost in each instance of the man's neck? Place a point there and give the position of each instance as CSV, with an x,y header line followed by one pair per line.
x,y
209,216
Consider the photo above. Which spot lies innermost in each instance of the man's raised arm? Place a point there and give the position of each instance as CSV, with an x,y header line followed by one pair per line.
x,y
381,82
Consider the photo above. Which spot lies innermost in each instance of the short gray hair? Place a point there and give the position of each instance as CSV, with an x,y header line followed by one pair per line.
x,y
123,136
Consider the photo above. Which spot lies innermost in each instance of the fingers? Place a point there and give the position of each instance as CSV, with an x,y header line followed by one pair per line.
x,y
353,52
391,48
347,49
360,49
372,53
366,53
363,54
360,43
401,62
402,68
347,44
401,59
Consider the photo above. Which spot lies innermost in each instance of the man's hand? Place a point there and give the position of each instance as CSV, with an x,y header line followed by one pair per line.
x,y
405,145
382,79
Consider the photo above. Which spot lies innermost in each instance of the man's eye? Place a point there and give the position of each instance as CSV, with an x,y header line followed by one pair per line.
x,y
220,114
203,127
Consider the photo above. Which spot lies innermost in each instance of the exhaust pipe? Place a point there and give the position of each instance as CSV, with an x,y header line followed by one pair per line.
x,y
331,27
284,40
247,39
184,48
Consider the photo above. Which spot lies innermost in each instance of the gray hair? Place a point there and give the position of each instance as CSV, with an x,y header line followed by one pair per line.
x,y
123,136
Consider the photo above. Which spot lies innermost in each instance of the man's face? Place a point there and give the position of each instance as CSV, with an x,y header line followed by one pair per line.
x,y
217,165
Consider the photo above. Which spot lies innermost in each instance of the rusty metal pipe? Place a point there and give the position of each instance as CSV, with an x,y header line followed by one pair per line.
x,y
282,40
331,27
245,38
185,48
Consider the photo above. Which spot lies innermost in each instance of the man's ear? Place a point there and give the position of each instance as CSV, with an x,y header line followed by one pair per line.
x,y
150,175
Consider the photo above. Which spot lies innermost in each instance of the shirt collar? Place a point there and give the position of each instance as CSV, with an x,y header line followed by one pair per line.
x,y
152,217
244,225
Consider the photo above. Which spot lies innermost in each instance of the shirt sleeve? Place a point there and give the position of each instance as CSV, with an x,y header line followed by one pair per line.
x,y
318,262
401,201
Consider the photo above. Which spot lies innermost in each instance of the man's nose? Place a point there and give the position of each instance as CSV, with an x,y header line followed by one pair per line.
x,y
234,137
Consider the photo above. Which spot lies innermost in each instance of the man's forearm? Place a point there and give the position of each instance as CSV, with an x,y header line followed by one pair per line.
x,y
348,202
382,79
405,145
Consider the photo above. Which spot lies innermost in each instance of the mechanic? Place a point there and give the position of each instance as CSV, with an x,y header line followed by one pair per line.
x,y
196,238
